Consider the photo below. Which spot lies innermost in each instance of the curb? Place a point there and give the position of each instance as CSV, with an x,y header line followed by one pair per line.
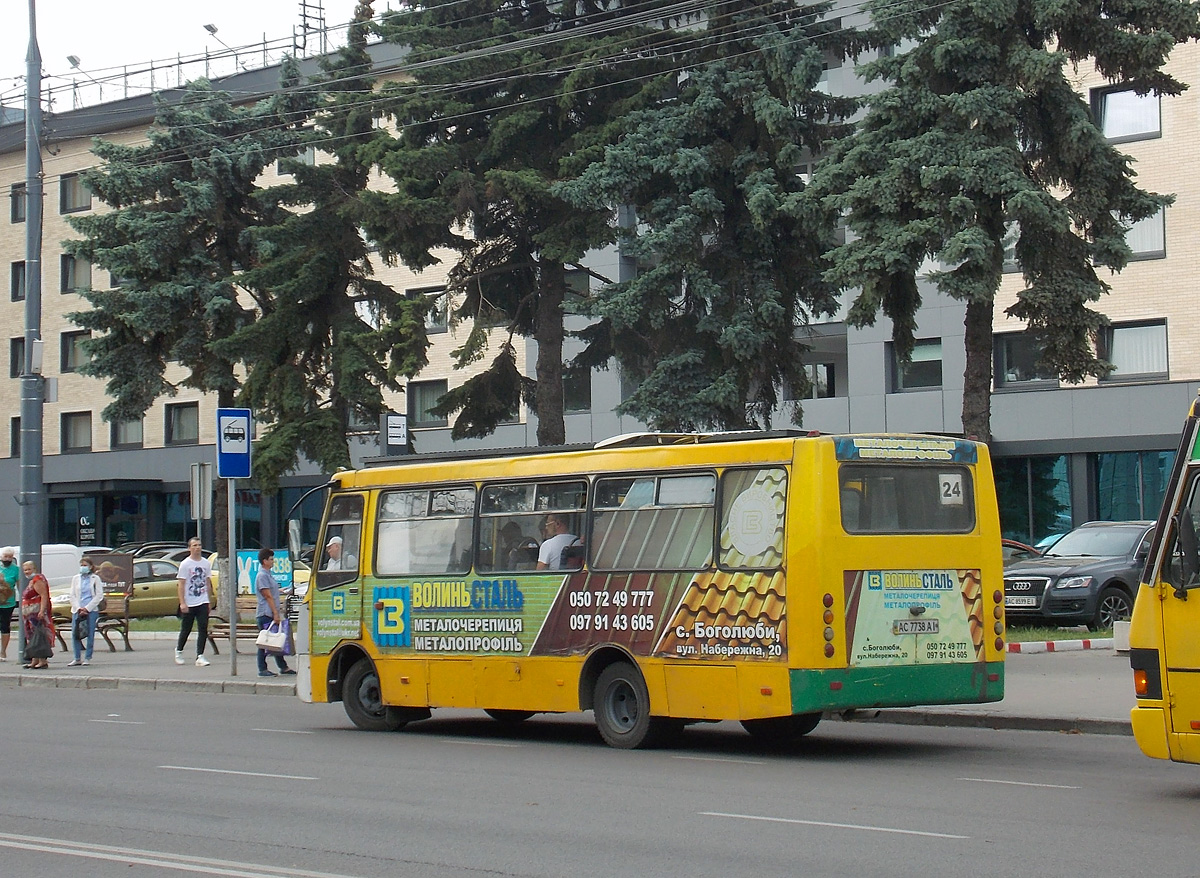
x,y
63,681
949,719
1033,646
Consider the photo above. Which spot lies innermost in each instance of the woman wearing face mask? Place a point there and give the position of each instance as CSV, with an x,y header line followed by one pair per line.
x,y
86,592
35,610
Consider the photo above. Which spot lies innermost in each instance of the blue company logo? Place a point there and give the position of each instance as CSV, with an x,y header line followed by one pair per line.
x,y
337,603
393,616
874,580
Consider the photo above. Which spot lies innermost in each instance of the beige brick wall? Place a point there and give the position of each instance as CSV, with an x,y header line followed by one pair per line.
x,y
1157,288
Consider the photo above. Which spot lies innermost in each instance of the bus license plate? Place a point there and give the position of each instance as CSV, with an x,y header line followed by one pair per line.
x,y
915,626
1020,600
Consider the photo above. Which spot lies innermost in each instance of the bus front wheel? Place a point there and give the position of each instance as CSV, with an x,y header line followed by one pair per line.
x,y
782,729
363,700
621,704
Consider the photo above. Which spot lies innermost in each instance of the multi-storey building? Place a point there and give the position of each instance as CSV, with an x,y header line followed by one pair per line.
x,y
1065,454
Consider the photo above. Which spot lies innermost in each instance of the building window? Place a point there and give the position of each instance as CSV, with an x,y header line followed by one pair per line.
x,y
183,423
73,353
127,434
1123,114
629,383
1017,360
115,281
579,291
422,396
16,357
1034,495
17,281
76,274
923,371
1130,484
1136,350
14,438
17,203
821,380
306,156
577,390
76,432
73,195
437,318
1147,238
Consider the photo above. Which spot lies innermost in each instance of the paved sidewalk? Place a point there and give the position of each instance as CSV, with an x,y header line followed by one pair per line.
x,y
151,665
1063,690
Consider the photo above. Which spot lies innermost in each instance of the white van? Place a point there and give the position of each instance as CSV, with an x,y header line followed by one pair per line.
x,y
60,561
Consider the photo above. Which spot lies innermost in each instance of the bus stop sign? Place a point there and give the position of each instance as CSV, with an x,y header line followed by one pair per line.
x,y
233,443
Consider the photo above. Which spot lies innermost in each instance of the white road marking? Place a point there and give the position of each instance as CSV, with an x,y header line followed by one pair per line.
x,y
721,759
118,722
833,825
1019,783
282,731
477,743
242,773
160,859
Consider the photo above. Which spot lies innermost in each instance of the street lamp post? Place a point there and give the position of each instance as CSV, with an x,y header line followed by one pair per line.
x,y
33,518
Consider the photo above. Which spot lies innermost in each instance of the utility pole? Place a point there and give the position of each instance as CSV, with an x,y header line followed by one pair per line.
x,y
32,500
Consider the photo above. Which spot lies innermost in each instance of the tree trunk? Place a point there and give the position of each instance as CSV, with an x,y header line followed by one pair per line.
x,y
977,379
548,333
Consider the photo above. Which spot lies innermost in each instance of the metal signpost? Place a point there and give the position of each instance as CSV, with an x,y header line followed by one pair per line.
x,y
233,463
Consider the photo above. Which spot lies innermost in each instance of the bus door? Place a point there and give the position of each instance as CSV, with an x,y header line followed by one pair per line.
x,y
1180,603
336,594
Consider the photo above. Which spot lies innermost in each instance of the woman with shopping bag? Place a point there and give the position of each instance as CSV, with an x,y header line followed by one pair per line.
x,y
271,623
36,619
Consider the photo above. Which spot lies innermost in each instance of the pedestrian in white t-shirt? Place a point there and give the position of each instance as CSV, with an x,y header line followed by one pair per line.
x,y
195,601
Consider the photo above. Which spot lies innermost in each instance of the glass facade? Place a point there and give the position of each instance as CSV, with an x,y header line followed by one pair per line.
x,y
1034,494
1130,484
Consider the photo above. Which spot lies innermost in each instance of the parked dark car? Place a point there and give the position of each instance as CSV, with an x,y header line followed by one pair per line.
x,y
1089,577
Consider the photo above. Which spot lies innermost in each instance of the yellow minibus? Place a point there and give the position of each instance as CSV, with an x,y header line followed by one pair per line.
x,y
660,579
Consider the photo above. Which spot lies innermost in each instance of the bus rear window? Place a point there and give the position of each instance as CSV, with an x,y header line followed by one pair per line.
x,y
883,499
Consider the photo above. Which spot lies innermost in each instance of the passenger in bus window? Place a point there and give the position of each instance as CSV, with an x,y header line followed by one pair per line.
x,y
557,535
517,551
338,560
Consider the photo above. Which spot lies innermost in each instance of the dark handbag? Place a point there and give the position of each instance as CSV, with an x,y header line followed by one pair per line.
x,y
38,645
103,605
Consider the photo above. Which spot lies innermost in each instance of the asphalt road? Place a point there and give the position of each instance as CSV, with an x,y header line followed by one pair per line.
x,y
114,782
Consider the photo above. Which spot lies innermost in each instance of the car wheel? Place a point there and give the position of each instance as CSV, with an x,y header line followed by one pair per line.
x,y
621,704
510,717
363,700
1114,606
782,729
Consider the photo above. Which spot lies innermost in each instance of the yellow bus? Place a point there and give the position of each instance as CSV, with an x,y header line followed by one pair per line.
x,y
1164,633
658,580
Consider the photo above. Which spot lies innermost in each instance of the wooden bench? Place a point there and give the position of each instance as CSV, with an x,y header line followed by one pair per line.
x,y
113,620
247,632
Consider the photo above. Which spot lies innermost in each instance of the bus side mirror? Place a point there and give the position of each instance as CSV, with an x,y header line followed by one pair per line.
x,y
1189,554
294,545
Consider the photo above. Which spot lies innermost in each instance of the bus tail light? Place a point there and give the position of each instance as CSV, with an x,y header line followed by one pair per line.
x,y
829,650
1147,680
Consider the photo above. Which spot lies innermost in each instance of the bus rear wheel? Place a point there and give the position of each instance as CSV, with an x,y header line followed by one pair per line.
x,y
511,717
621,704
363,700
782,729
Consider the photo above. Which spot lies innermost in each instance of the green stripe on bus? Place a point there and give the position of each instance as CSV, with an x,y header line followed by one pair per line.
x,y
898,686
